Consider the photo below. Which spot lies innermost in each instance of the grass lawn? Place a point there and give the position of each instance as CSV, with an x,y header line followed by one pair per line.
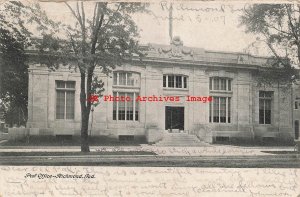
x,y
75,153
71,141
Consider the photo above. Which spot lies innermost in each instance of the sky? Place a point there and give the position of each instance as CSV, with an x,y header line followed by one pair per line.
x,y
212,26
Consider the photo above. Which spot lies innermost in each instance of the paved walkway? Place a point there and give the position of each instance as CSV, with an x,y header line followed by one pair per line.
x,y
213,150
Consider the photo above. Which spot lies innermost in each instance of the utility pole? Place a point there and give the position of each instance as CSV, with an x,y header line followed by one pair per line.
x,y
171,22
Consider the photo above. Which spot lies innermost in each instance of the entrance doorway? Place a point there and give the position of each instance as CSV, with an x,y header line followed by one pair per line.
x,y
174,118
296,129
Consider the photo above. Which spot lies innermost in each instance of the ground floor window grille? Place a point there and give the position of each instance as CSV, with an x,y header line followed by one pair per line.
x,y
126,110
220,110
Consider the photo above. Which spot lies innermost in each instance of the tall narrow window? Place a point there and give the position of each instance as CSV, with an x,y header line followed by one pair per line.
x,y
122,78
164,81
223,109
129,107
229,85
219,110
136,109
171,81
178,81
121,110
184,82
265,107
126,110
216,109
65,99
220,107
223,84
115,108
229,110
216,84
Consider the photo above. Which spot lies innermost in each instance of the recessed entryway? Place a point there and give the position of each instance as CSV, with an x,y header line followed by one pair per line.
x,y
174,118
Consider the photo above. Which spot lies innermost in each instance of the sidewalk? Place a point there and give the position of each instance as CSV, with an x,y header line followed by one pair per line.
x,y
213,150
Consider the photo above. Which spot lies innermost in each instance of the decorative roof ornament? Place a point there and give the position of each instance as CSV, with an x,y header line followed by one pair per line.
x,y
176,49
176,41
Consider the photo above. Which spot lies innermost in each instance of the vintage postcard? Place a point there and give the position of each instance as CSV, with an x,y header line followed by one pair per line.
x,y
160,98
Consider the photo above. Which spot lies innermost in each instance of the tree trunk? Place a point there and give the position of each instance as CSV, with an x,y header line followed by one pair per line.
x,y
85,113
84,132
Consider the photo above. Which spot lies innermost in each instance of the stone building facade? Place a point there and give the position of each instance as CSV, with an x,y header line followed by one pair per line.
x,y
239,108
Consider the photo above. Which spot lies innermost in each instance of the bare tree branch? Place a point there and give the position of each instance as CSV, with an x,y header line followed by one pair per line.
x,y
73,12
291,24
94,15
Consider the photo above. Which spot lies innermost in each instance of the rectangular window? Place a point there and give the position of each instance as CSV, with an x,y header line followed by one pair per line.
x,y
219,84
122,108
126,110
265,107
171,81
174,81
129,107
220,110
136,109
164,81
223,84
115,108
65,99
178,82
216,83
229,109
229,85
130,79
122,78
296,105
216,109
115,78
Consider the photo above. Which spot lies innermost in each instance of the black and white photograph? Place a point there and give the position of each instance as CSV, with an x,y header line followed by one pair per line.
x,y
158,98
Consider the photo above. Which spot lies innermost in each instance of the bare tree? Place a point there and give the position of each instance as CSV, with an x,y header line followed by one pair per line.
x,y
104,39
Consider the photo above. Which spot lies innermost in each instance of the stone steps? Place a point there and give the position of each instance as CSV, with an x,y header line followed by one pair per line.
x,y
180,139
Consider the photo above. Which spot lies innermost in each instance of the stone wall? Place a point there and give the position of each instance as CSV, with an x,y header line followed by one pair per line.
x,y
244,111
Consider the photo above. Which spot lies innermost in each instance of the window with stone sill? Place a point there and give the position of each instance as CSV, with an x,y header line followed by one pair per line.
x,y
65,99
265,107
175,81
